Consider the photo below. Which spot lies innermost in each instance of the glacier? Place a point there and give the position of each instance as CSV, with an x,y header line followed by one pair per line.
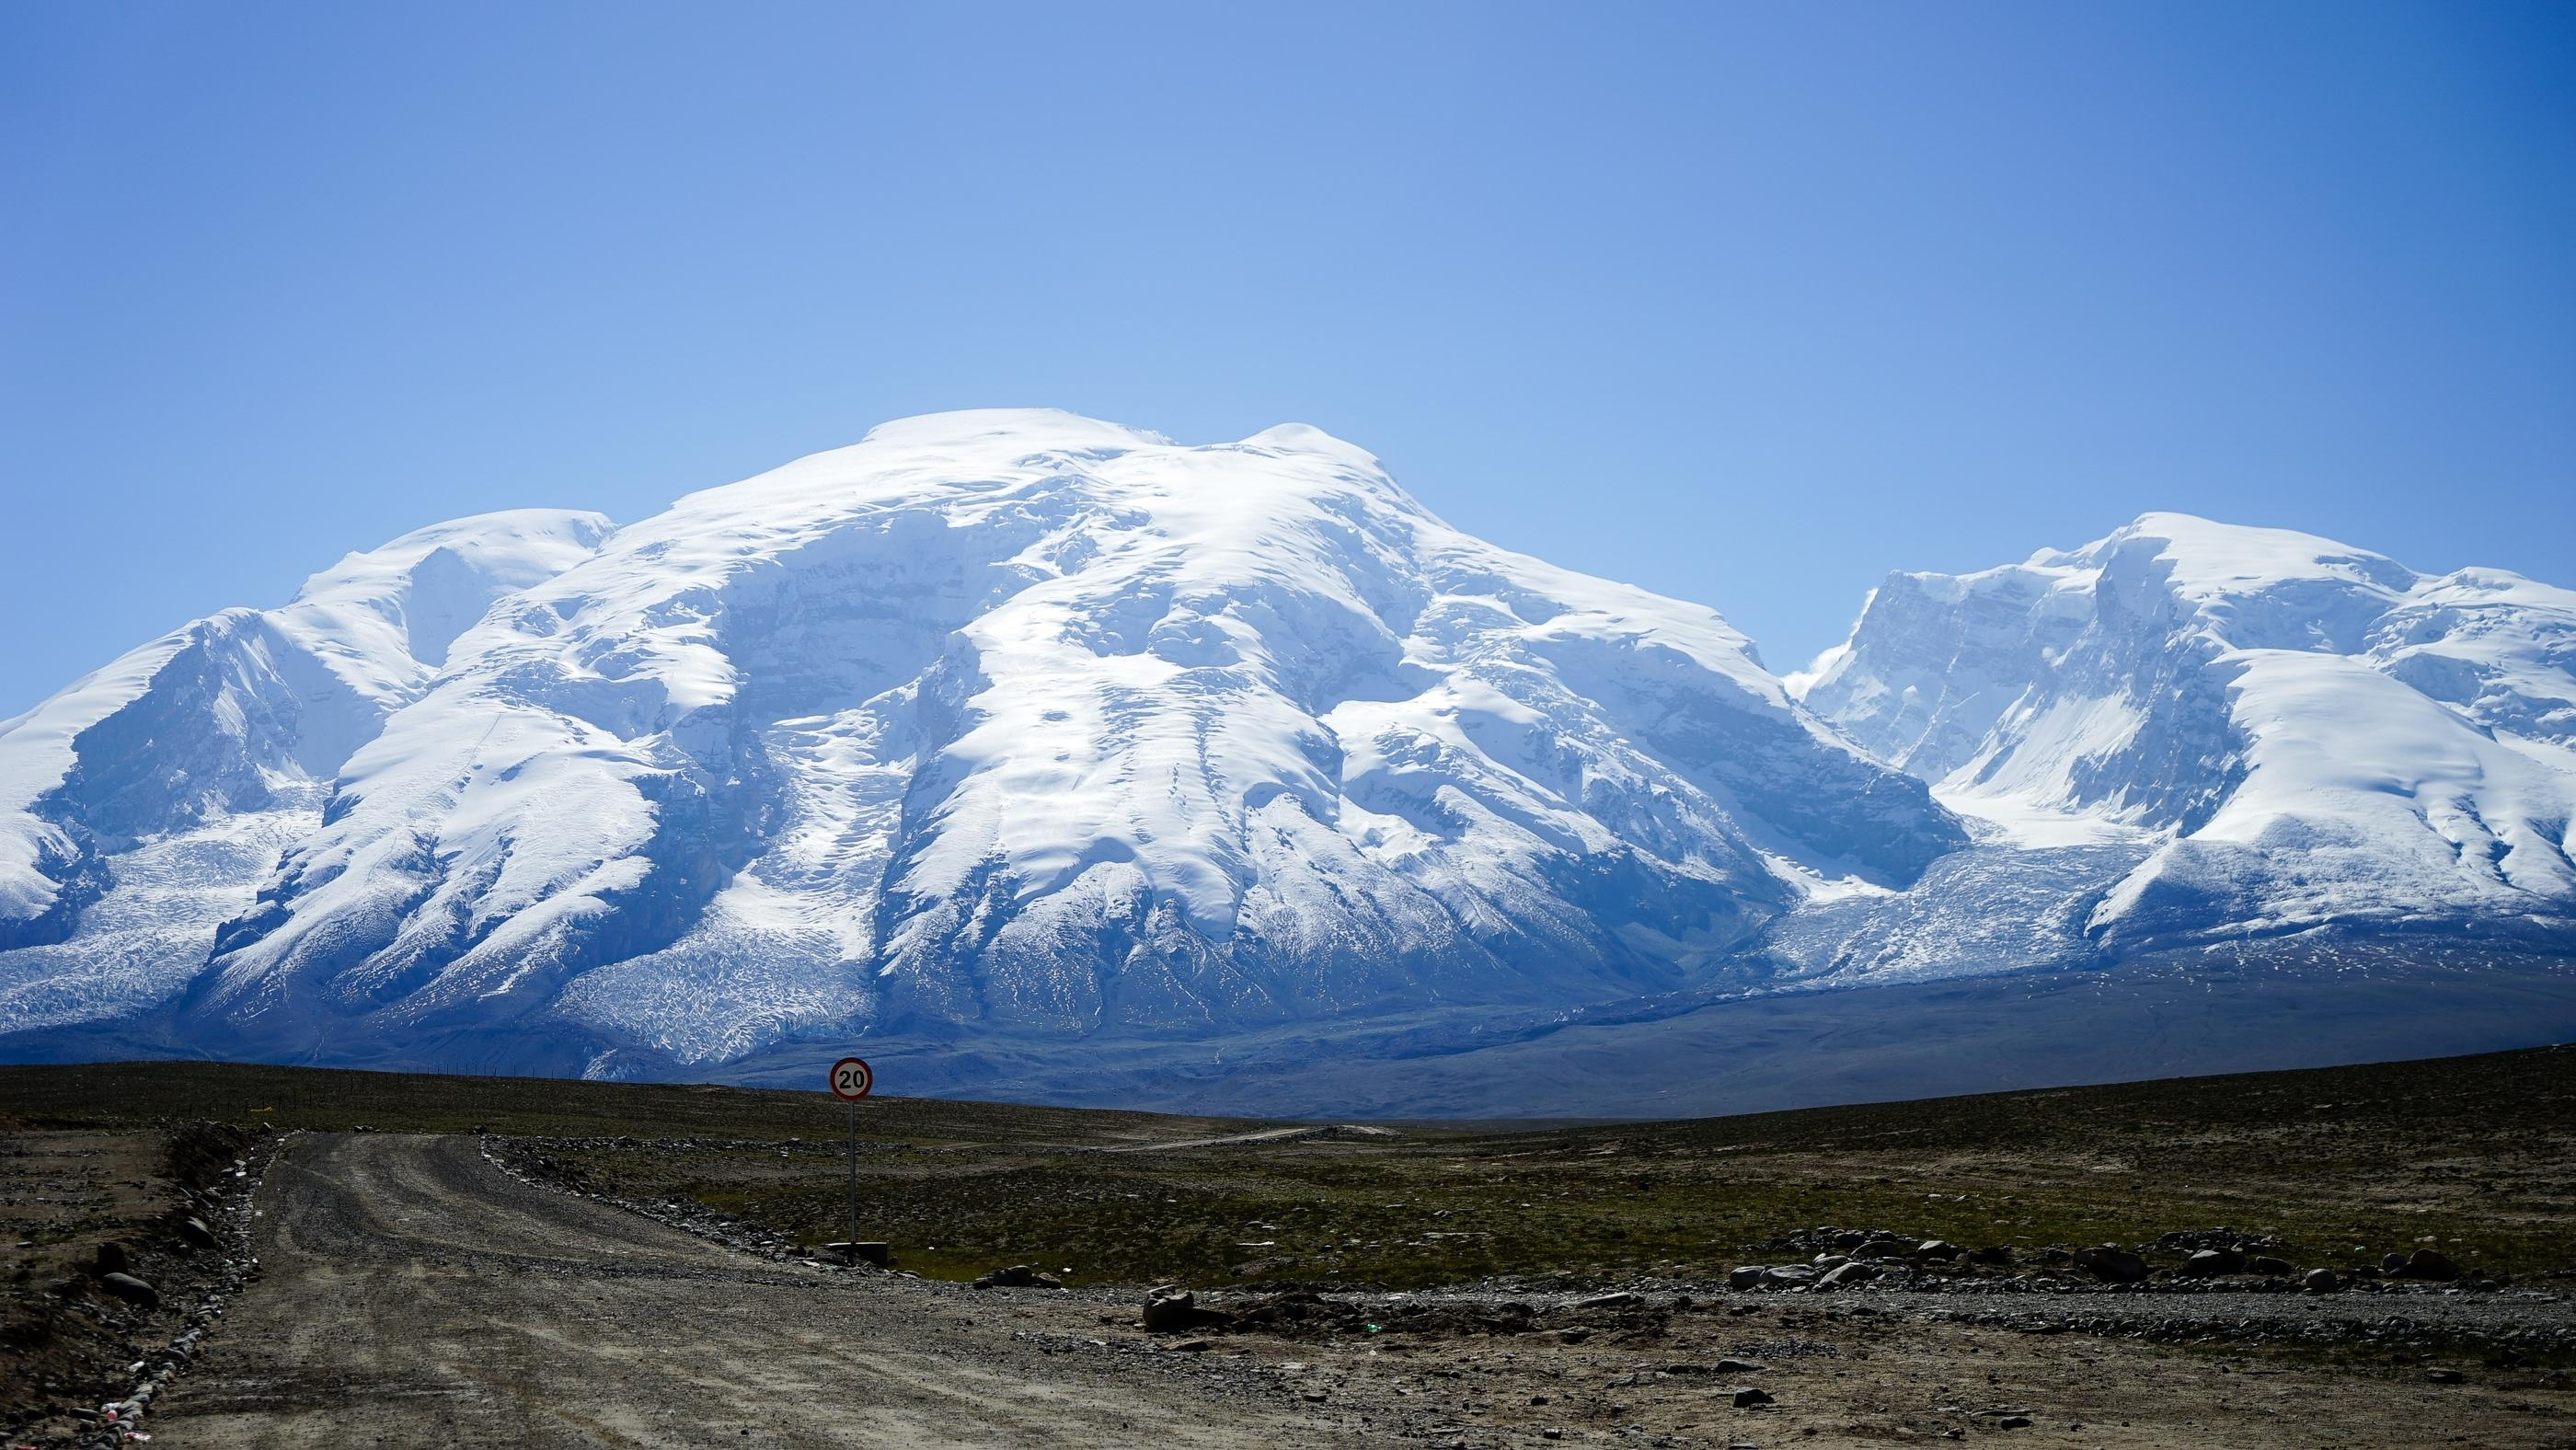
x,y
1040,756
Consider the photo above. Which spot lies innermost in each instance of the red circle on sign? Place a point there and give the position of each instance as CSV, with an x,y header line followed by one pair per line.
x,y
851,1079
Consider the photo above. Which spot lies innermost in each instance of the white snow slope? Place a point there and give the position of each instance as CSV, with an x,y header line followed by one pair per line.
x,y
143,806
1014,719
2281,732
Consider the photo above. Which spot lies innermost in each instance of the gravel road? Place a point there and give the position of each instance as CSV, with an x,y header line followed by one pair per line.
x,y
414,1296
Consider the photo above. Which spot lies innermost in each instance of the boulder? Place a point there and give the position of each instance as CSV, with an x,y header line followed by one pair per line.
x,y
1788,1276
1941,1250
2321,1281
1745,1276
2427,1264
2112,1264
1853,1274
2392,1264
2209,1263
1169,1309
1747,1399
130,1289
195,1233
1884,1249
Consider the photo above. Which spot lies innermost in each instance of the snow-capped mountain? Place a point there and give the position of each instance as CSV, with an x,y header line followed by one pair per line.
x,y
143,806
1009,719
1047,757
2288,733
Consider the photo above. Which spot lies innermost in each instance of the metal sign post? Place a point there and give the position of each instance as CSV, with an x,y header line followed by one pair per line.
x,y
851,1080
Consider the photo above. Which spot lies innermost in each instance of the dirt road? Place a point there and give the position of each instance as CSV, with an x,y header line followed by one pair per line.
x,y
416,1296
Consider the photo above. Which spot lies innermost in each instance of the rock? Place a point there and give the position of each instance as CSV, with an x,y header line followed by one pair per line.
x,y
1940,1249
1745,1276
1618,1300
1993,1254
1854,1274
2013,1422
2278,1268
1884,1249
1830,1262
2392,1263
1737,1366
2427,1264
195,1232
1748,1398
130,1289
111,1259
2112,1264
2321,1281
1169,1309
2208,1263
1788,1276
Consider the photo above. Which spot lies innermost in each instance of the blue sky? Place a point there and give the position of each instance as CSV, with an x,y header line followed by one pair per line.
x,y
1748,304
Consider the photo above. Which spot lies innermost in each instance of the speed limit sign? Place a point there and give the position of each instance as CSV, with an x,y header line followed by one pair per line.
x,y
851,1079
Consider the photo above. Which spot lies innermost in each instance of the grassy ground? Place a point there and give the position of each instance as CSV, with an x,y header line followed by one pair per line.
x,y
2474,1155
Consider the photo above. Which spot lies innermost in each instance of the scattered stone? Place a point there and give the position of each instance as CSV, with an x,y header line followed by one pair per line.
x,y
130,1289
2208,1263
1619,1300
2428,1264
1170,1308
2112,1264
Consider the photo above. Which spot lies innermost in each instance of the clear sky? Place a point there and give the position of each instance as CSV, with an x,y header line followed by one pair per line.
x,y
1745,303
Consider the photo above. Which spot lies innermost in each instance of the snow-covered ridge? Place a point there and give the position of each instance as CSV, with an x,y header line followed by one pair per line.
x,y
2306,732
1018,726
1027,719
196,751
